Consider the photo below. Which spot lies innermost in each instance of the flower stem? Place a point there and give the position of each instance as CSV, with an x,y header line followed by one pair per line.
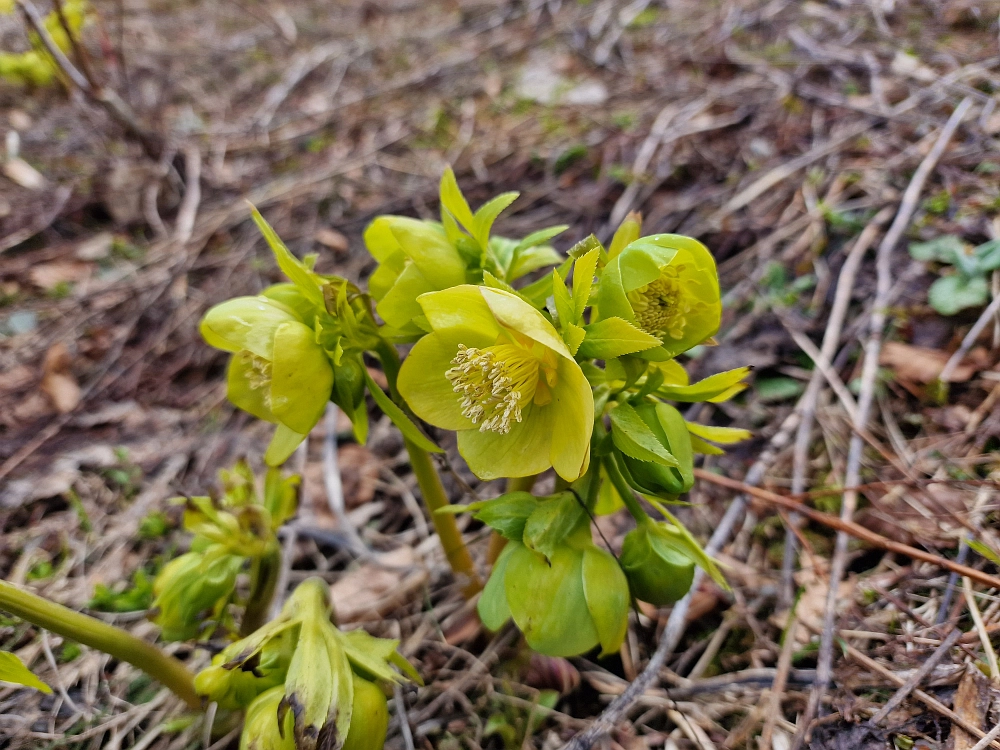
x,y
99,635
263,580
435,498
627,496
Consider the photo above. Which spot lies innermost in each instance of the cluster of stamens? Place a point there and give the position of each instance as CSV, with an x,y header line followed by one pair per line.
x,y
494,383
661,306
258,373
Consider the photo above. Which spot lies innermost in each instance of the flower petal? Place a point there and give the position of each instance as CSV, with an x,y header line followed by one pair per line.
x,y
425,388
301,377
571,414
282,445
492,607
245,323
428,247
520,453
399,305
517,314
461,308
606,590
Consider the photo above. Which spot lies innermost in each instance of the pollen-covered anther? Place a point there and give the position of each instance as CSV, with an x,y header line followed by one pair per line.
x,y
495,384
661,307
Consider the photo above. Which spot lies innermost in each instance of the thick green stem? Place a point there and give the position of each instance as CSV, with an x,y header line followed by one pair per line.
x,y
111,640
444,523
627,496
263,580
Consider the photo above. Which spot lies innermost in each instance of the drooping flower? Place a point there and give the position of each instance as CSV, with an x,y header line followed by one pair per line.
x,y
278,372
565,603
656,563
666,285
496,371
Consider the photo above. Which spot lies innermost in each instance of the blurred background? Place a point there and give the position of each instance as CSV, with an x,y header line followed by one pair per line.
x,y
774,131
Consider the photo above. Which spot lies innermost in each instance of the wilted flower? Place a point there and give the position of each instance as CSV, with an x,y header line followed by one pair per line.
x,y
666,285
655,560
495,370
278,372
565,604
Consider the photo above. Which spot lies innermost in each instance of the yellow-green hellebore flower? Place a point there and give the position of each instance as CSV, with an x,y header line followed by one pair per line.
x,y
566,604
237,688
414,257
496,371
193,589
369,717
659,570
667,286
278,372
261,727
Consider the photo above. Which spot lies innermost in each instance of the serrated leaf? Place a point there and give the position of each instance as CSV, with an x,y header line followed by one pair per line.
x,y
482,222
398,417
291,266
615,337
508,513
12,670
583,281
633,437
573,335
551,522
453,200
565,310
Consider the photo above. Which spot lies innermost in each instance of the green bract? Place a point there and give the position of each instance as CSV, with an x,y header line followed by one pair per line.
x,y
667,286
495,370
192,591
278,372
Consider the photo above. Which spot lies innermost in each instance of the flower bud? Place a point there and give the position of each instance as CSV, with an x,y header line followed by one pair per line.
x,y
670,430
658,569
261,727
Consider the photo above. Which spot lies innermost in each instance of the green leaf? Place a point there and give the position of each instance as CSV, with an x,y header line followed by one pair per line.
x,y
705,448
508,513
951,294
988,255
614,337
724,435
770,390
551,522
482,222
531,259
12,670
691,547
453,200
565,310
583,281
540,237
410,431
984,550
714,388
942,249
291,266
574,336
633,437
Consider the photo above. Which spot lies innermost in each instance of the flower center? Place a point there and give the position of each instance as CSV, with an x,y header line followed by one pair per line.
x,y
258,373
495,384
661,306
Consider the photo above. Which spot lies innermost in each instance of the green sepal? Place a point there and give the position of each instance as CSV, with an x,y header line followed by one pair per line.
x,y
492,606
552,521
606,591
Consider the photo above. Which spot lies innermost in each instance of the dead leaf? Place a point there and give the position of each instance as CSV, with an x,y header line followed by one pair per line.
x,y
332,239
19,171
58,478
971,701
358,473
58,382
372,588
16,378
50,275
922,365
95,248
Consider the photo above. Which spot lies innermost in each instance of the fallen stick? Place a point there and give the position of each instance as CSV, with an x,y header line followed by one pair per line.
x,y
848,527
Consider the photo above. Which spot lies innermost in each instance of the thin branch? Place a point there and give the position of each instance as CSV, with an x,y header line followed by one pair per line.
x,y
917,677
883,263
970,339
